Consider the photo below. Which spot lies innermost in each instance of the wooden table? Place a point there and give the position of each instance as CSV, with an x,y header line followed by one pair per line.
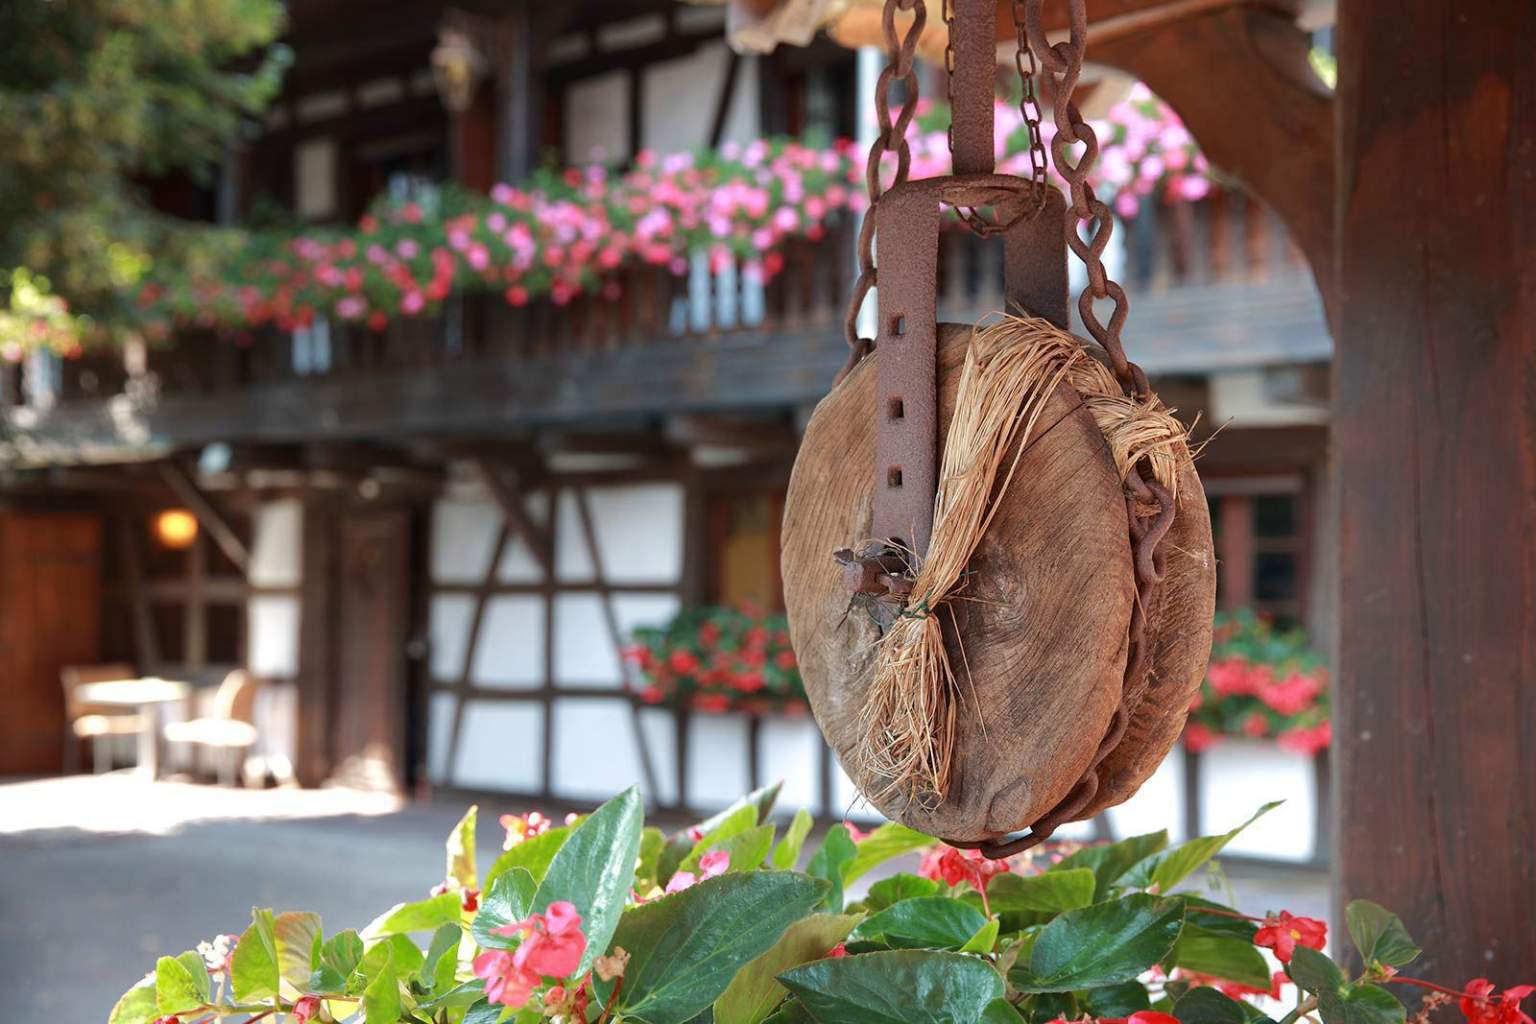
x,y
148,695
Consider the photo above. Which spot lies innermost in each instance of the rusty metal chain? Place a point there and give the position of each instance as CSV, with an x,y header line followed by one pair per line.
x,y
1064,63
890,137
1029,100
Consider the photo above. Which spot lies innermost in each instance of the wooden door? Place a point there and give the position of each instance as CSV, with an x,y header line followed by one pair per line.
x,y
50,616
373,602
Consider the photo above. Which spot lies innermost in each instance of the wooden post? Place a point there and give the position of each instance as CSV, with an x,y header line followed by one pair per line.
x,y
1435,462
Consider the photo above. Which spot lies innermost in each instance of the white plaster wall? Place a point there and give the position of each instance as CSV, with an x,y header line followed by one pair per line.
x,y
717,760
448,619
277,535
1239,396
596,119
272,624
1237,776
790,750
639,530
1158,804
584,653
439,736
595,753
502,747
660,727
314,178
679,100
463,536
510,654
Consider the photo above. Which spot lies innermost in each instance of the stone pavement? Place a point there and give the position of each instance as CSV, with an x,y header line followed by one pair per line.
x,y
99,875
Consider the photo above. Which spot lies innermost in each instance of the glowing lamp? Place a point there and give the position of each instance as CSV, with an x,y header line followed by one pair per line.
x,y
175,528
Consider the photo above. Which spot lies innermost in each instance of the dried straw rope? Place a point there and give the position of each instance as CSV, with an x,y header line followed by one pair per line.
x,y
1011,369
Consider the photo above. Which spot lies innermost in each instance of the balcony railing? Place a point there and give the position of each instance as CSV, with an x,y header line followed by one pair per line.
x,y
1166,248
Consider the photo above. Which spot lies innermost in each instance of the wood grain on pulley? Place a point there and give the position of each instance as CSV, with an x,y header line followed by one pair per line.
x,y
1042,625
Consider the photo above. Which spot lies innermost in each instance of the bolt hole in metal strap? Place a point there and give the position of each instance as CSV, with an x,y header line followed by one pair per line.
x,y
907,243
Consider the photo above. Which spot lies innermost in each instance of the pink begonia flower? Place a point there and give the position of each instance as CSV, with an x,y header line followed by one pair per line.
x,y
306,1009
218,953
552,946
711,865
522,827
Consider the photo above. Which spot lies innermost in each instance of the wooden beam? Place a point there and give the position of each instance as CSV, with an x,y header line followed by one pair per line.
x,y
1239,77
208,516
509,498
1434,437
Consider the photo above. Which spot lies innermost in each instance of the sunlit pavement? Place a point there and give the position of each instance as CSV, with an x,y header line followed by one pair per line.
x,y
99,875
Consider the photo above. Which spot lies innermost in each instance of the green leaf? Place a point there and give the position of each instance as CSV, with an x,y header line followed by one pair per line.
x,y
339,957
787,854
532,855
1313,972
1205,1005
425,915
137,1005
686,948
381,999
1360,1004
755,990
438,966
253,968
836,852
749,849
984,939
1051,892
1109,862
1220,956
296,938
893,890
896,987
1379,934
1120,1000
483,1013
888,841
510,899
594,870
652,842
743,820
1001,1011
929,922
461,852
1217,918
176,986
792,1012
1103,944
1177,864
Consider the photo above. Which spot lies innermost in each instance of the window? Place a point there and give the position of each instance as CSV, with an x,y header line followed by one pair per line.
x,y
1260,534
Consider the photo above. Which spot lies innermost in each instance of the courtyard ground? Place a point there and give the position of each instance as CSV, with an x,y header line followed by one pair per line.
x,y
99,875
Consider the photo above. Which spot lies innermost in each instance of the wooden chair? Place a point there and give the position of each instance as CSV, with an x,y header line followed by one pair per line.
x,y
97,723
229,730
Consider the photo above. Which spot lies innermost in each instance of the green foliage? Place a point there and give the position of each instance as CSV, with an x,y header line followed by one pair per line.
x,y
896,987
97,94
756,945
686,948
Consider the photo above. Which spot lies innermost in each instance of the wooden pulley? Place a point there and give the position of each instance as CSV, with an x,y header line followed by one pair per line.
x,y
997,563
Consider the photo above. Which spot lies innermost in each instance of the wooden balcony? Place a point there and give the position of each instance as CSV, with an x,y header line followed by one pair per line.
x,y
1213,282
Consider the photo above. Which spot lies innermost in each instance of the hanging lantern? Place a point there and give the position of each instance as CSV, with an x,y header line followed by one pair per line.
x,y
997,556
457,67
175,528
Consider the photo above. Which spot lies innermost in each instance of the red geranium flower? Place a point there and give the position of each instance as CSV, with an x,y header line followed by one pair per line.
x,y
1481,1006
1282,934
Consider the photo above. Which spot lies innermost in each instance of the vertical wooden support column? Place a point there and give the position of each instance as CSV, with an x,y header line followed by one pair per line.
x,y
1435,462
318,661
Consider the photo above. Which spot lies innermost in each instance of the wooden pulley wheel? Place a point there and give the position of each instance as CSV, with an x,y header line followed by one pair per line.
x,y
1042,632
997,557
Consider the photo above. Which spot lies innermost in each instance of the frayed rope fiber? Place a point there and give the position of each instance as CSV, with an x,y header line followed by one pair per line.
x,y
1012,367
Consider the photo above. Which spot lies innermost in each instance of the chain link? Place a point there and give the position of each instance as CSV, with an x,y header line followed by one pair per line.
x,y
890,137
